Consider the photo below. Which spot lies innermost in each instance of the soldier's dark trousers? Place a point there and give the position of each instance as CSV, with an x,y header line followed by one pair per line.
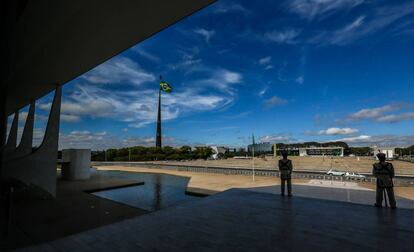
x,y
390,194
289,186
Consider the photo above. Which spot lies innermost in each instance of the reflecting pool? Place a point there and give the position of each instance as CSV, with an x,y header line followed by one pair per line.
x,y
158,192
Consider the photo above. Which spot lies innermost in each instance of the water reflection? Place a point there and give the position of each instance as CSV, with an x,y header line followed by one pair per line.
x,y
157,195
159,191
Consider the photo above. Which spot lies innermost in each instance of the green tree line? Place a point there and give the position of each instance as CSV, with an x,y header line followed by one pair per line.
x,y
141,153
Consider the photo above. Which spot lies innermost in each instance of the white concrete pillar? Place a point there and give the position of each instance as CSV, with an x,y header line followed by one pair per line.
x,y
76,164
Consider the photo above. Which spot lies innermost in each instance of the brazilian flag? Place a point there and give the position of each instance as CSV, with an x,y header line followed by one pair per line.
x,y
164,86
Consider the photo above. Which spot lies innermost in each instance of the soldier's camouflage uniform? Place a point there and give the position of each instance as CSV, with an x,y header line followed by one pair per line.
x,y
285,168
384,172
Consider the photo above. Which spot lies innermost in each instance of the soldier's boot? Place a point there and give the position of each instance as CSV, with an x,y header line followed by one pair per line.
x,y
282,187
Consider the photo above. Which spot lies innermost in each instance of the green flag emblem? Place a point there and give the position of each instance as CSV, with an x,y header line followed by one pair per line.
x,y
165,87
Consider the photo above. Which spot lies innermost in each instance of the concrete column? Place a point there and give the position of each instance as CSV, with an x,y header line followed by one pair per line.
x,y
12,139
26,143
3,127
76,164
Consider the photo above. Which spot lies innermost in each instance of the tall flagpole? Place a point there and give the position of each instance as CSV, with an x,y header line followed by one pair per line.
x,y
253,156
159,136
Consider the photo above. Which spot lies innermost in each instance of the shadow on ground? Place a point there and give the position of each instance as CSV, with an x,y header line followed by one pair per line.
x,y
245,220
365,197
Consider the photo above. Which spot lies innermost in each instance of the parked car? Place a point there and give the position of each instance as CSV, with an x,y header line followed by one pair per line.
x,y
335,173
354,175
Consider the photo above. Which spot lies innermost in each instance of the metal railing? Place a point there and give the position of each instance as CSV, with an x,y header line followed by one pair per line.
x,y
298,174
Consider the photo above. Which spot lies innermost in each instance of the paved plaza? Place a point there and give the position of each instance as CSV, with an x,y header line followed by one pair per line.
x,y
361,196
243,220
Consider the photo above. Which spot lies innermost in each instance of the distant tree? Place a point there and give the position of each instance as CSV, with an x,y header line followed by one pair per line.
x,y
98,155
138,150
185,149
111,154
168,150
360,151
203,152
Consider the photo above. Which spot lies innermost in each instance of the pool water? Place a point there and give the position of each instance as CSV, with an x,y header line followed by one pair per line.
x,y
158,192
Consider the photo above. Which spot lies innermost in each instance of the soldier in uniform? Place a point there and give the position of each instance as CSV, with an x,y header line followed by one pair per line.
x,y
285,168
384,172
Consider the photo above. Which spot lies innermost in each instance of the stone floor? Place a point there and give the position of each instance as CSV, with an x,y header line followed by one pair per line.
x,y
243,220
72,211
352,195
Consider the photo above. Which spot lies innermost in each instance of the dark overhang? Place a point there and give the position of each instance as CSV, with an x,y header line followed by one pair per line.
x,y
53,42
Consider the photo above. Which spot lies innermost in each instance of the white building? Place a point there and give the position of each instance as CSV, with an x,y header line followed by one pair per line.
x,y
218,151
260,147
321,151
388,151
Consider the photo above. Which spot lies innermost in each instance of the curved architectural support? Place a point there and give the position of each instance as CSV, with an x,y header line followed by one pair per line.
x,y
51,137
12,139
26,143
39,167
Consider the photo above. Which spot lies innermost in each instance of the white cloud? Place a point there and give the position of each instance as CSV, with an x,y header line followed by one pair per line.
x,y
88,140
231,77
337,131
342,36
207,34
189,61
382,114
103,140
265,60
396,118
23,116
225,7
310,9
379,140
372,113
375,21
300,79
286,36
138,108
70,118
361,138
222,80
263,91
274,101
38,134
118,70
276,138
145,54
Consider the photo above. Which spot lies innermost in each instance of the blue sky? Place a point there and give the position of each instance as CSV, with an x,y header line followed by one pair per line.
x,y
287,71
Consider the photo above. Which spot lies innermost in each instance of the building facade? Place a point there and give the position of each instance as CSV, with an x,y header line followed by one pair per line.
x,y
321,151
388,151
260,147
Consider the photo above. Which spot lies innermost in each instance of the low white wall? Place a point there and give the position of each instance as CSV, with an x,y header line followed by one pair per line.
x,y
76,164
